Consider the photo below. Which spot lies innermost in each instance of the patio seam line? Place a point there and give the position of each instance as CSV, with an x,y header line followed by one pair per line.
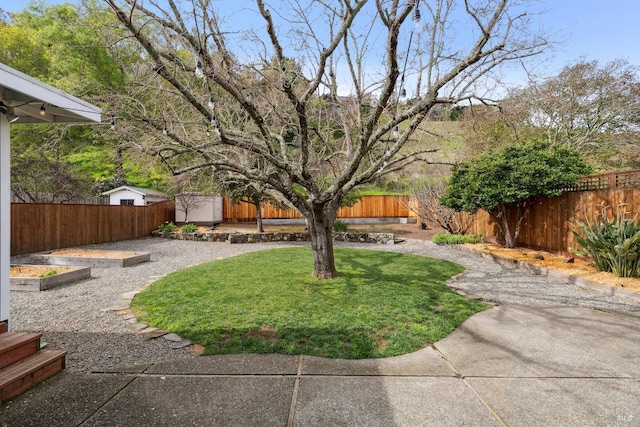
x,y
296,389
112,397
451,365
486,404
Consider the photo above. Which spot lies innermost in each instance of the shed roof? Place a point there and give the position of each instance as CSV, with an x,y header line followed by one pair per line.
x,y
139,190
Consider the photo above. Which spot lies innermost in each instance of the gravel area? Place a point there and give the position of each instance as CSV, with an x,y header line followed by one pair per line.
x,y
72,317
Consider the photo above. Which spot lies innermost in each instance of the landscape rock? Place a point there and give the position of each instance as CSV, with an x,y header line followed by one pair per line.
x,y
237,238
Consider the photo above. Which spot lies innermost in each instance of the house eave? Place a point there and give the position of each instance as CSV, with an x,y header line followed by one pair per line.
x,y
23,97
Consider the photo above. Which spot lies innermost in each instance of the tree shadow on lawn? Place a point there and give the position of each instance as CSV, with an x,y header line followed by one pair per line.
x,y
382,304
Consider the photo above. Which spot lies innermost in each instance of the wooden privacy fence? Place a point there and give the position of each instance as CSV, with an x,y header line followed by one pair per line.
x,y
550,221
367,207
40,227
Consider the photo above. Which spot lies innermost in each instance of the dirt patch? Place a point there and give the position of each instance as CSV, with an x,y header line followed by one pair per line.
x,y
91,253
36,271
579,268
267,333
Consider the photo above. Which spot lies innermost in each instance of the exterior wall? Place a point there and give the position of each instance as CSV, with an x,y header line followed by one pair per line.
x,y
209,210
5,218
138,199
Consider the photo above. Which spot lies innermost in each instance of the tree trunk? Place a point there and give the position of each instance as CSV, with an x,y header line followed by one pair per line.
x,y
320,228
509,239
501,219
119,167
259,217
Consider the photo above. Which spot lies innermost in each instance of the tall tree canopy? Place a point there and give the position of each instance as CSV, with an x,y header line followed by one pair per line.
x,y
305,97
65,45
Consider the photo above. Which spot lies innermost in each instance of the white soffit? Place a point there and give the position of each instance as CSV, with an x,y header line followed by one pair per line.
x,y
23,97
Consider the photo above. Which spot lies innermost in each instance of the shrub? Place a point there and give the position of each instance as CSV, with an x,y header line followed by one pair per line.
x,y
456,239
425,203
339,226
613,245
189,228
167,227
49,273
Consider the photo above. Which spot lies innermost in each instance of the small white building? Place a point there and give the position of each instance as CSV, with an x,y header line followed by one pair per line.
x,y
127,195
196,208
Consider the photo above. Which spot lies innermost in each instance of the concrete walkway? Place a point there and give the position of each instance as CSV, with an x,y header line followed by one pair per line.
x,y
542,362
511,365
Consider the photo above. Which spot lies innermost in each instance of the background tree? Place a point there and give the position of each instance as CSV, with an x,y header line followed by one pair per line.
x,y
503,181
240,190
35,178
589,106
189,193
66,46
310,88
425,203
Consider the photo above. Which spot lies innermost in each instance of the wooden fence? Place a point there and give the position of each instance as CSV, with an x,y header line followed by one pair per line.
x,y
549,224
367,207
550,221
40,227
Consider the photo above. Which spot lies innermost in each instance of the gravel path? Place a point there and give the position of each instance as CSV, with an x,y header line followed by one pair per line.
x,y
73,319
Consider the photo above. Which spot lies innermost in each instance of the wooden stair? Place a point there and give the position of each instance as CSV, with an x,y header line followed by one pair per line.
x,y
23,364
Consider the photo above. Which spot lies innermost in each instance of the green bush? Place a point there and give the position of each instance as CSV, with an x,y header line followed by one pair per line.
x,y
339,226
613,245
167,227
456,239
189,228
49,273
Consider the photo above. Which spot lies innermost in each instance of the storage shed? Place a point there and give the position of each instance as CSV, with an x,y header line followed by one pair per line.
x,y
195,208
134,196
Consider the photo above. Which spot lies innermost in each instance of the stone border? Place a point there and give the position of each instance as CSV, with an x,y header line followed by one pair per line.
x,y
376,238
147,332
545,272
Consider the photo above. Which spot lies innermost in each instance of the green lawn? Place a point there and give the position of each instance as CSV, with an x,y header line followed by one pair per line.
x,y
382,304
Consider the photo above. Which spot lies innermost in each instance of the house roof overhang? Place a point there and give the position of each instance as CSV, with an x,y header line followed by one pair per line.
x,y
22,98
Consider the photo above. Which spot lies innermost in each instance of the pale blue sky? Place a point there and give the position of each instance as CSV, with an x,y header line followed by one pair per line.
x,y
594,29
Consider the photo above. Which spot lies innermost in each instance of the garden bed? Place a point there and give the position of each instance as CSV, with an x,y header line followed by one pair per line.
x,y
42,277
93,257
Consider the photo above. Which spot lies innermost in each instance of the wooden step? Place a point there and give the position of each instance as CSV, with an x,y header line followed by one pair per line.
x,y
15,346
22,375
3,327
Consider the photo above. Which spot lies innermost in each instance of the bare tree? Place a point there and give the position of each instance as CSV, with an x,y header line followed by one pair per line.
x,y
584,103
588,106
185,189
35,178
308,91
426,205
240,190
188,201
